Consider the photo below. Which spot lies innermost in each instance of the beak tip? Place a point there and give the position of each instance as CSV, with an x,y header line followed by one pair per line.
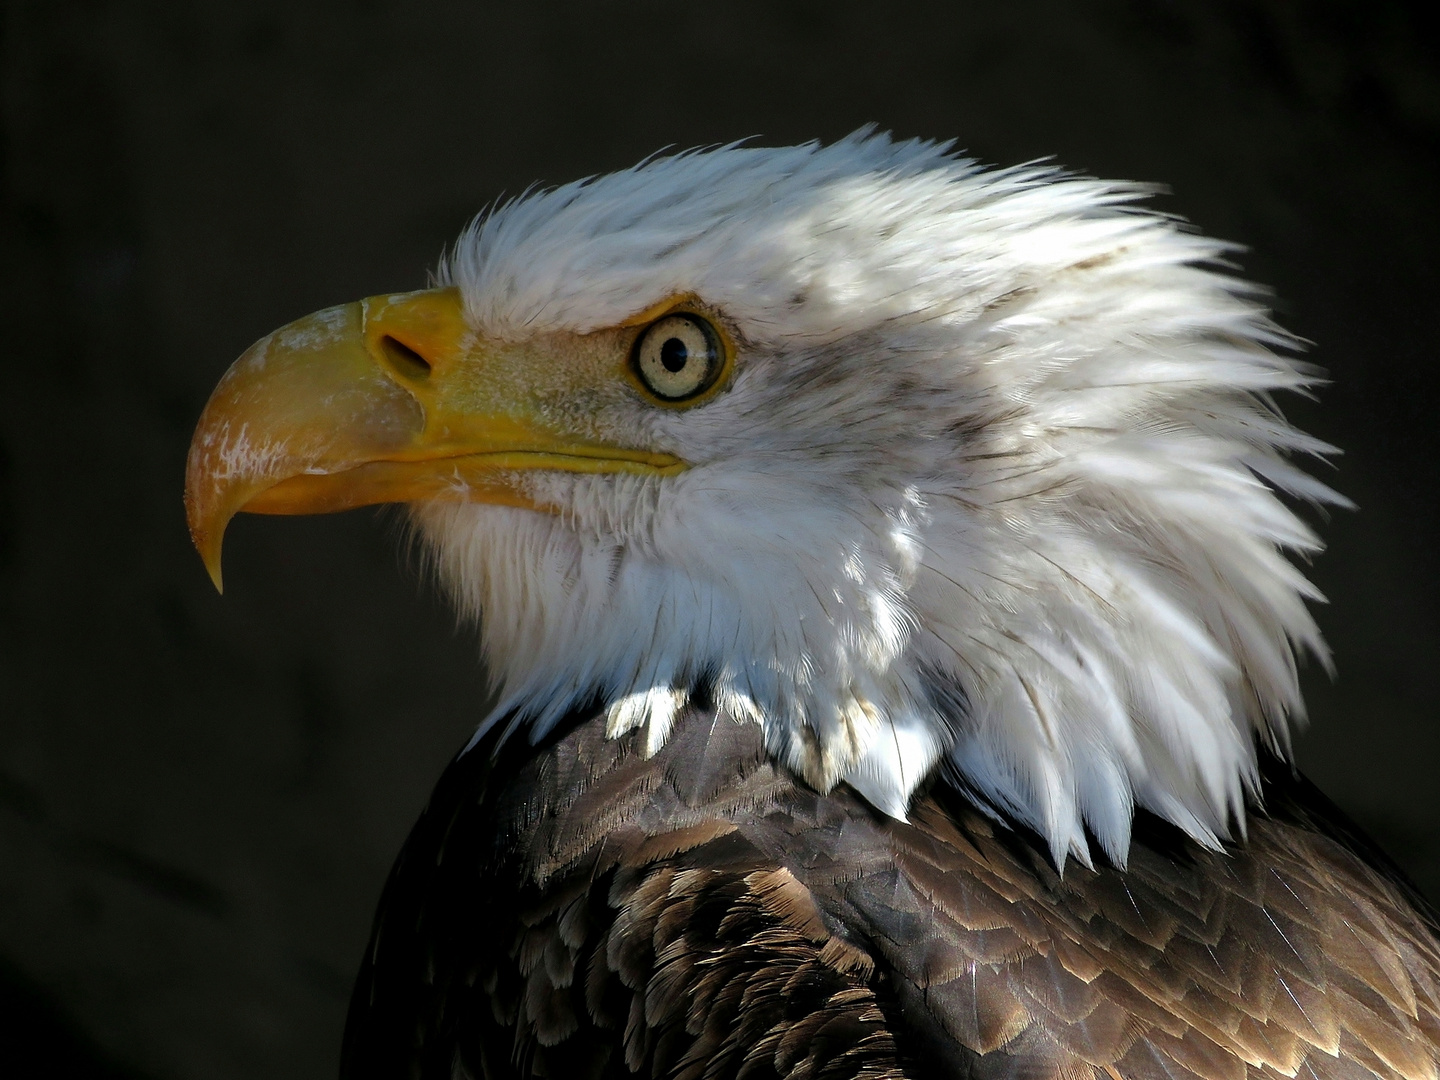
x,y
208,543
213,569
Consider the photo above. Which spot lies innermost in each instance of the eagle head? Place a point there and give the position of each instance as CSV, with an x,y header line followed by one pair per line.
x,y
929,470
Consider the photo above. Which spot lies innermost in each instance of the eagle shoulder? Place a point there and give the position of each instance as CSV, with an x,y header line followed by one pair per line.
x,y
578,909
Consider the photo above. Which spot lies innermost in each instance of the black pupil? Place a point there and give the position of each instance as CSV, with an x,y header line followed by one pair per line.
x,y
674,354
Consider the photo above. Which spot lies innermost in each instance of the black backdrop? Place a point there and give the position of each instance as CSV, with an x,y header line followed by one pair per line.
x,y
199,798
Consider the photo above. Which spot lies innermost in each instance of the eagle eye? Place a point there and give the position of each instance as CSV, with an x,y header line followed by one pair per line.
x,y
678,357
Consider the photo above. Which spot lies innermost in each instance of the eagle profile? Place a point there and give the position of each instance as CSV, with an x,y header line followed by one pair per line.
x,y
880,565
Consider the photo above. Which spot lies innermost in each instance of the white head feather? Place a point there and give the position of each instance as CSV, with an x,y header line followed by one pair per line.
x,y
991,489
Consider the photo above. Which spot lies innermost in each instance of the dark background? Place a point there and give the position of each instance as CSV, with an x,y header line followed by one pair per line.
x,y
199,798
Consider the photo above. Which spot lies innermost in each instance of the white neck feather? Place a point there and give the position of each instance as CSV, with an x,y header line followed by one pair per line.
x,y
992,490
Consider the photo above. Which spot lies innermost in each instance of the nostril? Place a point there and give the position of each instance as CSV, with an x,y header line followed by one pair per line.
x,y
404,360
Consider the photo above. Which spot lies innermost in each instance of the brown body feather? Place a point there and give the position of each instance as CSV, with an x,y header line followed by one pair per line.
x,y
577,910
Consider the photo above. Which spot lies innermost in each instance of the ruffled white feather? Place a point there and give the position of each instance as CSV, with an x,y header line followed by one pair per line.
x,y
992,489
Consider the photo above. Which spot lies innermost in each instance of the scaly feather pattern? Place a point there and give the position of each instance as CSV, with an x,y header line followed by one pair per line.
x,y
585,910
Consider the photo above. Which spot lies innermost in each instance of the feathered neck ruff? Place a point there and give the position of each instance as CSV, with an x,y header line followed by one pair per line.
x,y
993,489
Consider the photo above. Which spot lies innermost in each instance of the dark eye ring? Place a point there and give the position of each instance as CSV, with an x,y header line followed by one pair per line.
x,y
678,357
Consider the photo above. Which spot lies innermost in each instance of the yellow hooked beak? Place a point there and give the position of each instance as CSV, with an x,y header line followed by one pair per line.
x,y
390,399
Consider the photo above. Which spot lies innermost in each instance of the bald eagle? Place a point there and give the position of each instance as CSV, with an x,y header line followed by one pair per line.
x,y
881,565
